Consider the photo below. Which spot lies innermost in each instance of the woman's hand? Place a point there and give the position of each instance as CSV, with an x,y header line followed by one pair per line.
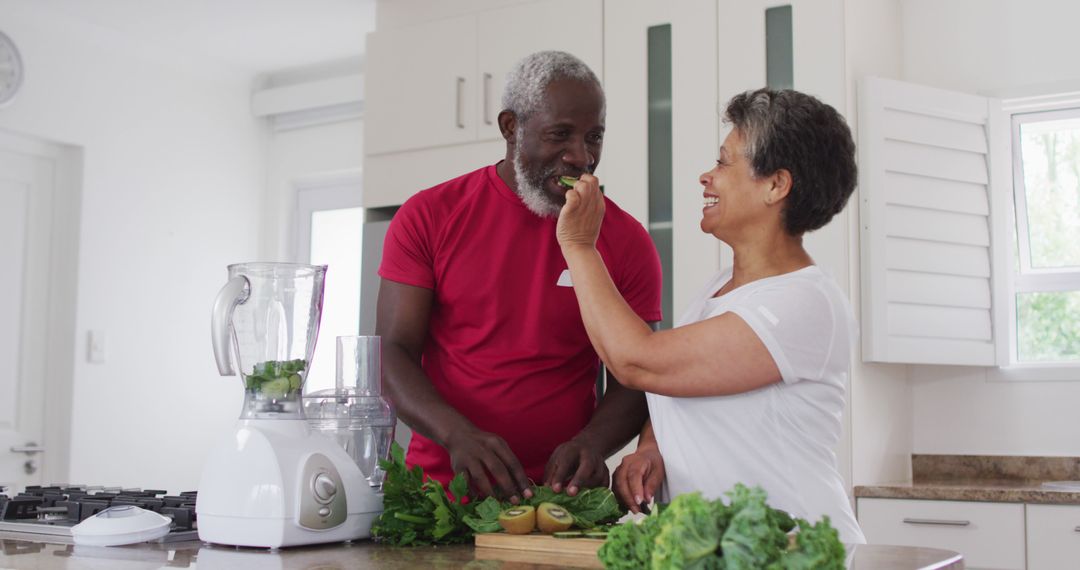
x,y
580,218
637,478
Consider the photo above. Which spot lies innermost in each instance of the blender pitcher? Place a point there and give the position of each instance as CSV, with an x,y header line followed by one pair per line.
x,y
271,312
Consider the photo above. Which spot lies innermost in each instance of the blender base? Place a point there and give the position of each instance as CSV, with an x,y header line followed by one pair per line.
x,y
275,483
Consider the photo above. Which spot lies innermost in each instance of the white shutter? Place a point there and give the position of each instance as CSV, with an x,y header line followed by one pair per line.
x,y
925,223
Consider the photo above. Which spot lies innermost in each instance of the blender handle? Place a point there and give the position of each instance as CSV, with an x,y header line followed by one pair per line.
x,y
233,293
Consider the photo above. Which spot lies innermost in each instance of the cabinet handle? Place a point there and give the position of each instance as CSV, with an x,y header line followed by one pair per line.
x,y
487,99
942,522
457,107
1077,529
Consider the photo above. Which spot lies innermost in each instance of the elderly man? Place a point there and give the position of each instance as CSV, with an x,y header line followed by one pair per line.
x,y
485,354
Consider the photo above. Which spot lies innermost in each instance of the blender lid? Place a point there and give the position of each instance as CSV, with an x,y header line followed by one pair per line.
x,y
124,524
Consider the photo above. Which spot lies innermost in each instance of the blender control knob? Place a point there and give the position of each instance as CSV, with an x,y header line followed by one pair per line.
x,y
324,487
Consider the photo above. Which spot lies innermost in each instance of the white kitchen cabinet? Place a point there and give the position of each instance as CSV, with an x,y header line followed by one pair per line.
x,y
420,86
507,35
1053,536
433,91
988,535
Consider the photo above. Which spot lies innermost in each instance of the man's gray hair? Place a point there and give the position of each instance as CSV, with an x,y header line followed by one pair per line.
x,y
527,81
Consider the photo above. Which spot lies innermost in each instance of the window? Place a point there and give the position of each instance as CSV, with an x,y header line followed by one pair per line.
x,y
1045,316
330,232
970,233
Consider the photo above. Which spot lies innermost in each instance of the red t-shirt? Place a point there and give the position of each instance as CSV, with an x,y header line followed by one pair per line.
x,y
506,346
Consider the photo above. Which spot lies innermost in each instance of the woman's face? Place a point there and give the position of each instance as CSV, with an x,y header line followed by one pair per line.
x,y
734,199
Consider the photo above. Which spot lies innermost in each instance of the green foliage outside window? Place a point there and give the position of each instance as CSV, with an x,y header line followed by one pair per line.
x,y
1048,324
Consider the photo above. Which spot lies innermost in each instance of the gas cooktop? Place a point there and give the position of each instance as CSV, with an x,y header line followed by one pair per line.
x,y
54,509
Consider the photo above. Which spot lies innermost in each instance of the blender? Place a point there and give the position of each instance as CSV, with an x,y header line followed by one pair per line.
x,y
353,413
274,482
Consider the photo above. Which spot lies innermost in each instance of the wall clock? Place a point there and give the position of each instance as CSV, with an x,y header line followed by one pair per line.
x,y
11,70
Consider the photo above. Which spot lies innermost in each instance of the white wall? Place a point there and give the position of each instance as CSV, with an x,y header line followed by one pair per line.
x,y
171,193
881,399
299,154
990,46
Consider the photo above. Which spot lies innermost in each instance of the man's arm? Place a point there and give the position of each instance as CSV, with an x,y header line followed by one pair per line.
x,y
402,321
581,461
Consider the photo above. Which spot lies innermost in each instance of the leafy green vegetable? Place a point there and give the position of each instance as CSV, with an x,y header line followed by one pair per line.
x,y
417,510
751,542
690,535
692,532
486,516
591,507
817,547
276,379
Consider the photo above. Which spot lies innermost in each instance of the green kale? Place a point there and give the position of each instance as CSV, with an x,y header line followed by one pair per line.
x,y
817,547
629,545
745,533
690,535
751,541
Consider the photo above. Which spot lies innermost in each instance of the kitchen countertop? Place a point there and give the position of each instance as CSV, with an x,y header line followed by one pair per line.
x,y
987,478
19,554
986,490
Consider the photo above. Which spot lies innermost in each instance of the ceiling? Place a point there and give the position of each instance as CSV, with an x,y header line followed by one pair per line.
x,y
252,36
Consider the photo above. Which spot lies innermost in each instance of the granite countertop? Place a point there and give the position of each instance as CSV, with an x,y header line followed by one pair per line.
x,y
999,479
19,554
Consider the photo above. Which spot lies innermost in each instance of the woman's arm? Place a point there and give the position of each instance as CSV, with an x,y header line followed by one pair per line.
x,y
717,356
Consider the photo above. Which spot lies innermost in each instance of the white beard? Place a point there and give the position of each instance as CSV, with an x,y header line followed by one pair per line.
x,y
532,194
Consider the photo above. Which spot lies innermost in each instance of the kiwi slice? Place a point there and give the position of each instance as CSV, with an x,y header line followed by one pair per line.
x,y
518,520
567,181
551,518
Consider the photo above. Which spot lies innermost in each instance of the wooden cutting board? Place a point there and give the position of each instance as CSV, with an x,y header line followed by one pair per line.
x,y
539,549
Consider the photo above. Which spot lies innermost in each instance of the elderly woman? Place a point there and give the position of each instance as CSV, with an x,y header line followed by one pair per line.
x,y
750,385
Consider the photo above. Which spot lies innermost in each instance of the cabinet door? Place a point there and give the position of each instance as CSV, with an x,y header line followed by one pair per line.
x,y
507,35
988,535
420,89
1053,536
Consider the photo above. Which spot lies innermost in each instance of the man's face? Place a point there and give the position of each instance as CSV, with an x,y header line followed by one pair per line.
x,y
563,138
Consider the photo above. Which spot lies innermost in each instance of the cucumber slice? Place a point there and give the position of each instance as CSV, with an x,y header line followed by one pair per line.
x,y
596,534
276,388
567,181
568,534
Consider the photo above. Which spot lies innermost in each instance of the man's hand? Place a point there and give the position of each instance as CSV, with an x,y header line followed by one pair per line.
x,y
574,465
637,478
486,458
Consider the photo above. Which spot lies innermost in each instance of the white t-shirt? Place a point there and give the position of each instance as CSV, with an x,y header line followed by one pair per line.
x,y
780,437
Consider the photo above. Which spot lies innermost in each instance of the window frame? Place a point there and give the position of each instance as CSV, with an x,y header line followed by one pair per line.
x,y
1021,276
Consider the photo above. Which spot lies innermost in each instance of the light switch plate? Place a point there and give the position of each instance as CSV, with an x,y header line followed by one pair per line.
x,y
95,347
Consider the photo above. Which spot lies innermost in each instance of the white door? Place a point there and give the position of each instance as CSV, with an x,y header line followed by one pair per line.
x,y
26,194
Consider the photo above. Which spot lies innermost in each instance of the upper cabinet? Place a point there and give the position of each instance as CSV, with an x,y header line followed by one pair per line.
x,y
434,90
421,86
509,34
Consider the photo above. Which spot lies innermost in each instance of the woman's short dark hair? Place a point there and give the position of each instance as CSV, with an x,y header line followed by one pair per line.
x,y
793,131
